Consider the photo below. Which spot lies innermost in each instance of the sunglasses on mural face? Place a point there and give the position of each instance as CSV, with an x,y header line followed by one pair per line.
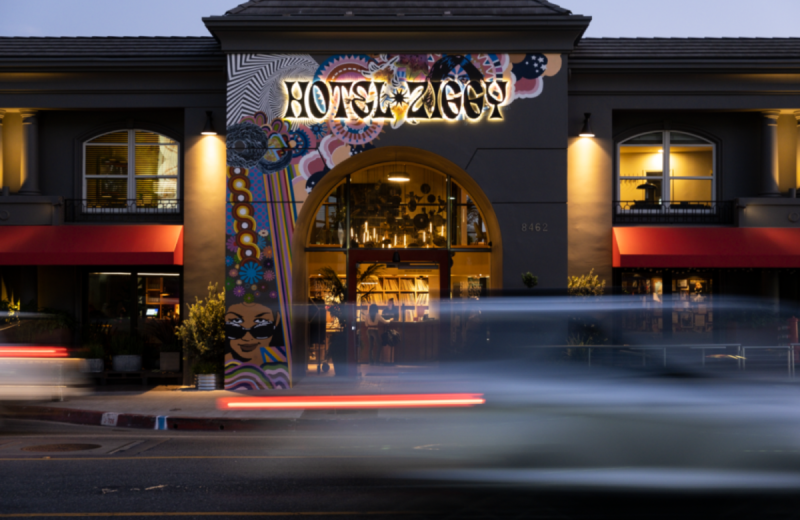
x,y
261,331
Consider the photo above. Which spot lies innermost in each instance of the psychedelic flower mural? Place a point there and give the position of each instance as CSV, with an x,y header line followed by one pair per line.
x,y
290,121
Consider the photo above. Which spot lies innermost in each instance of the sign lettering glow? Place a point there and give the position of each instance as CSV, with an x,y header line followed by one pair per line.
x,y
366,100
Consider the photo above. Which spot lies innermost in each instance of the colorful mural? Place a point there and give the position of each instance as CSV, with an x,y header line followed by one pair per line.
x,y
290,121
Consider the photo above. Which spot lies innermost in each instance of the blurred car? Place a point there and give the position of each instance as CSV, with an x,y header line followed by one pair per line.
x,y
37,372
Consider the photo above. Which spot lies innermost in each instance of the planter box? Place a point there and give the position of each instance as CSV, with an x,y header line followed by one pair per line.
x,y
170,361
93,365
126,363
207,381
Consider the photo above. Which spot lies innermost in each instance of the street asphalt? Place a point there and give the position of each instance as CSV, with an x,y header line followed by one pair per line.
x,y
127,473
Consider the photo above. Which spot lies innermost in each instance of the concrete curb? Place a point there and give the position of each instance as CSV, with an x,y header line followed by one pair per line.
x,y
155,422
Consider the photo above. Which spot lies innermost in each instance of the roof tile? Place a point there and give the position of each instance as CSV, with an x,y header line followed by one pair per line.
x,y
456,8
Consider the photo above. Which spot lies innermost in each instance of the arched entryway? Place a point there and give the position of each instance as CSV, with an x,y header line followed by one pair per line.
x,y
405,230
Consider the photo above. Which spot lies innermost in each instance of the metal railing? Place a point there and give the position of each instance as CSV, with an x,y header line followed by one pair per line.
x,y
675,212
123,210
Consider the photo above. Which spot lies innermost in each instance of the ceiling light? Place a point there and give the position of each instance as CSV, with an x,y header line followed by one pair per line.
x,y
399,177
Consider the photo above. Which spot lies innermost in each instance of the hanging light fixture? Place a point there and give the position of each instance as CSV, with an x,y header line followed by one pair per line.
x,y
398,176
587,131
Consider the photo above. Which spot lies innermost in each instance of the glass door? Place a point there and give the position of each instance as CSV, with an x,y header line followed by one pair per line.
x,y
398,313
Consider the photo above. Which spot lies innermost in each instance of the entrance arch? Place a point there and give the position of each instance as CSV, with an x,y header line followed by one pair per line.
x,y
388,156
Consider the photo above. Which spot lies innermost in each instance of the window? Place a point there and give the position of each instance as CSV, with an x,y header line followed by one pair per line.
x,y
659,169
131,169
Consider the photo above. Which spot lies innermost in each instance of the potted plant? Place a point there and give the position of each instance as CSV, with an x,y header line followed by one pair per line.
x,y
126,352
203,335
207,374
95,357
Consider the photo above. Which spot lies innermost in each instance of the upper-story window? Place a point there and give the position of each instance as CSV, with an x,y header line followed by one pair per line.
x,y
131,170
666,168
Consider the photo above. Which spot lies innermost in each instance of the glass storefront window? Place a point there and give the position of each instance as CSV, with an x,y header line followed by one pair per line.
x,y
692,311
398,206
468,227
327,343
645,319
110,300
469,282
159,308
330,222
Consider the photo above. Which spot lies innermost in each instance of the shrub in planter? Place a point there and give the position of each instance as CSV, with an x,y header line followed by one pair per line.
x,y
126,350
207,374
203,332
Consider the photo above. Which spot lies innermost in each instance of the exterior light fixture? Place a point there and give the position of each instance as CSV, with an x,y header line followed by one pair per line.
x,y
587,131
208,129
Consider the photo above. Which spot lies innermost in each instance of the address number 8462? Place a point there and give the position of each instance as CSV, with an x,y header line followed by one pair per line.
x,y
538,227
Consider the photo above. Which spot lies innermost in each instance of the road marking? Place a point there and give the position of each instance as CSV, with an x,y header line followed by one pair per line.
x,y
125,447
179,457
109,419
265,513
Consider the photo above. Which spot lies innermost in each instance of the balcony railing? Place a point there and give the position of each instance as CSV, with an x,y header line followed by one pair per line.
x,y
121,210
675,212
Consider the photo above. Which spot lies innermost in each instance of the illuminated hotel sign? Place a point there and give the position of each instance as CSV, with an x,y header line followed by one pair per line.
x,y
376,100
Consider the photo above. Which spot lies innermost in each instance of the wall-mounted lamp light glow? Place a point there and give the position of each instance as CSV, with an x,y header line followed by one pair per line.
x,y
587,131
208,129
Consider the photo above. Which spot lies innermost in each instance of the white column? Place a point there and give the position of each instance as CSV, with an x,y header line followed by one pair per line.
x,y
30,154
770,171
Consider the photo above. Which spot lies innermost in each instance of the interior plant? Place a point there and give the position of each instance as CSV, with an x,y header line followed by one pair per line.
x,y
529,280
336,289
203,331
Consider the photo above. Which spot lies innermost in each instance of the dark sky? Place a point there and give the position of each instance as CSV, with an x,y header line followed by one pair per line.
x,y
765,18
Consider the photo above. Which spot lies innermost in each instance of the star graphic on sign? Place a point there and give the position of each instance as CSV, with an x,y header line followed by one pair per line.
x,y
398,98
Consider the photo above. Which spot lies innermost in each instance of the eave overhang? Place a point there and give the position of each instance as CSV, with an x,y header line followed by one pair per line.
x,y
397,34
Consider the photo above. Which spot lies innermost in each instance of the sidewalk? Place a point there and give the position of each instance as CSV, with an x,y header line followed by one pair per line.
x,y
184,408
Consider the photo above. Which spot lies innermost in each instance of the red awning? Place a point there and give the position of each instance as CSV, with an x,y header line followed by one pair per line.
x,y
91,245
706,247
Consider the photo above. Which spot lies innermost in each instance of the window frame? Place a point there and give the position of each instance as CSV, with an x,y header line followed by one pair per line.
x,y
666,177
452,205
131,205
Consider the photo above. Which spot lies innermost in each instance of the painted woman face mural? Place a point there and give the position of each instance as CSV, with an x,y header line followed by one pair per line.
x,y
249,329
255,357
